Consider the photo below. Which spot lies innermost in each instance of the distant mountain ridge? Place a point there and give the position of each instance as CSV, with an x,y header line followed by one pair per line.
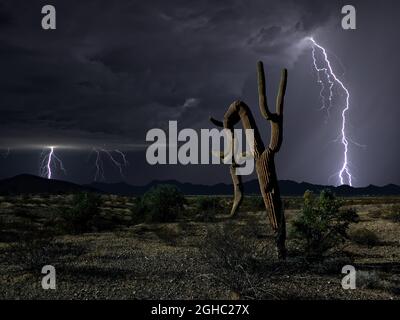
x,y
287,187
30,184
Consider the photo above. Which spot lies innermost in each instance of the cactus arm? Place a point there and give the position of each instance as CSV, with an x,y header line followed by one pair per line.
x,y
276,136
281,93
237,181
239,111
262,92
276,119
217,123
237,191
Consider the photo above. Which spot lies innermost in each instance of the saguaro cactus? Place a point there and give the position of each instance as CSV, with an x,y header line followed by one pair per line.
x,y
264,157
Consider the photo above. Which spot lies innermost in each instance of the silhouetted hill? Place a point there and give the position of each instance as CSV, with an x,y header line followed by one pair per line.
x,y
288,188
26,184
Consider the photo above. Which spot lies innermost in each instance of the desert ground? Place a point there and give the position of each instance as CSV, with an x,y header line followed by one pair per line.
x,y
198,256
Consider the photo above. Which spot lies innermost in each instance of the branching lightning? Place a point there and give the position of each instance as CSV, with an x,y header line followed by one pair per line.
x,y
344,174
49,162
323,88
111,155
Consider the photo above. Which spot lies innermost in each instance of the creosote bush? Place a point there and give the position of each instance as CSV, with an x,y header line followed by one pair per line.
x,y
252,204
292,203
321,225
83,215
207,208
394,213
162,203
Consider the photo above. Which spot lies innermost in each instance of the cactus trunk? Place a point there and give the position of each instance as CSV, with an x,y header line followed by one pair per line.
x,y
264,157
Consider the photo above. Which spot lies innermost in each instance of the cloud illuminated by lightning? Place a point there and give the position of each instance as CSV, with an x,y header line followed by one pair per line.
x,y
49,162
344,174
111,155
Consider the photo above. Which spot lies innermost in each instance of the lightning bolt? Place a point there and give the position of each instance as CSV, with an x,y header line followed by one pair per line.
x,y
111,155
319,80
99,166
344,173
49,162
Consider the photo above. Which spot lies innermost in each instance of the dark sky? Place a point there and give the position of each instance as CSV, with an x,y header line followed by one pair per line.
x,y
112,70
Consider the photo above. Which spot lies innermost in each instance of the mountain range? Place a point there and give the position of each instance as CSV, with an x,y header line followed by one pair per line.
x,y
30,184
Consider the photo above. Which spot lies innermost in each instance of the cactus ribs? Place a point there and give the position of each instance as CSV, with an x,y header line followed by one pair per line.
x,y
264,157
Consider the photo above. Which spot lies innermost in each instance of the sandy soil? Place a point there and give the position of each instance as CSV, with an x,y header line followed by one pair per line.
x,y
167,261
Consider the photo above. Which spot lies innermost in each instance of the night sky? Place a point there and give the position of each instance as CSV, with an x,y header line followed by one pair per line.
x,y
112,70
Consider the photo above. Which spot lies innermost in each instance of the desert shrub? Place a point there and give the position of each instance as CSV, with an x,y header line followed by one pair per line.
x,y
321,226
256,203
393,213
252,203
83,215
207,208
238,261
293,203
205,203
259,203
162,203
364,237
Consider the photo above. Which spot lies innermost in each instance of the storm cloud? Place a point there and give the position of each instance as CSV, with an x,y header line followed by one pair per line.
x,y
111,71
